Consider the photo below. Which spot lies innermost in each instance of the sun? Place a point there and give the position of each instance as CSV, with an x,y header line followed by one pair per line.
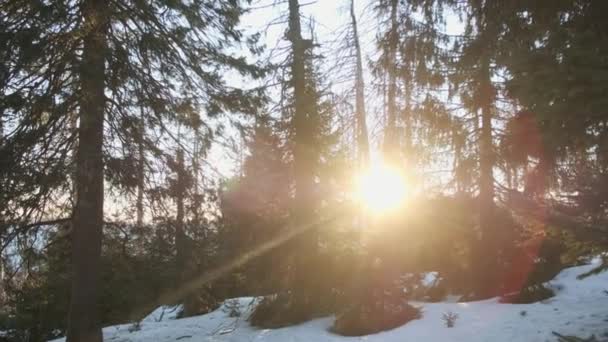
x,y
381,188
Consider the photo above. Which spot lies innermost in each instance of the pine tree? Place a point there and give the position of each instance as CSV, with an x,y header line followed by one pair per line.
x,y
305,156
255,209
83,320
473,74
154,54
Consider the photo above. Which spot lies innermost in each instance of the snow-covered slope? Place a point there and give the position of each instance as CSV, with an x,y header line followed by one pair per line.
x,y
580,308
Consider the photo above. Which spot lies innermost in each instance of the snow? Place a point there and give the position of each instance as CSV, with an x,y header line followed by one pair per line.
x,y
579,308
163,313
429,279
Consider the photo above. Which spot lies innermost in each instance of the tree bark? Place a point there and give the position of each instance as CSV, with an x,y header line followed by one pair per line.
x,y
180,235
83,319
487,256
362,135
304,159
486,149
2,293
140,170
196,193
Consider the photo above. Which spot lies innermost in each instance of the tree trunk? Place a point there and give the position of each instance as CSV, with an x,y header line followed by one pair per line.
x,y
196,193
457,162
83,318
140,170
362,135
390,138
487,257
73,125
2,283
408,139
183,266
180,235
304,158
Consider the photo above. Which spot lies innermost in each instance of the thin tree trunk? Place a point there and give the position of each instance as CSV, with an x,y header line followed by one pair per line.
x,y
486,151
304,158
390,139
487,257
73,124
2,281
408,142
457,161
183,275
83,318
362,135
196,185
180,235
359,282
140,170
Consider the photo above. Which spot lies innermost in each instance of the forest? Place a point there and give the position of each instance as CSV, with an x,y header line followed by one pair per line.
x,y
311,169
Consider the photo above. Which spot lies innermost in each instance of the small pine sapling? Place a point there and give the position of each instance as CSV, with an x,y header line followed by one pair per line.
x,y
136,326
449,318
233,308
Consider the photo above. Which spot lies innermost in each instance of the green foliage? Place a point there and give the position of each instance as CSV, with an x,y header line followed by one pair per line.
x,y
599,269
281,310
164,86
529,294
133,276
255,210
366,319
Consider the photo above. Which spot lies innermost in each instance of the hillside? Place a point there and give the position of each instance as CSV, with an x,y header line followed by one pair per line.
x,y
579,308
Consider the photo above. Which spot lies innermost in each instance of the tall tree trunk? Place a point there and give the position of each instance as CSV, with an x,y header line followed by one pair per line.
x,y
304,159
182,252
83,318
486,151
390,138
180,235
362,135
2,283
197,200
73,125
457,162
140,169
487,258
408,139
359,285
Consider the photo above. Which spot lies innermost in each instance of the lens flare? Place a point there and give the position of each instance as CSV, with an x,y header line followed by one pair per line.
x,y
381,188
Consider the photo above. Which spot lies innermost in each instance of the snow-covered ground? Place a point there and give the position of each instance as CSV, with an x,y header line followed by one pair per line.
x,y
579,308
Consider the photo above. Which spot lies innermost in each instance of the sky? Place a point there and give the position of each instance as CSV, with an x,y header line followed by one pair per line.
x,y
329,18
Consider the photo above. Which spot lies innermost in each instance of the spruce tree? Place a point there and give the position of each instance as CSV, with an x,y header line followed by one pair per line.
x,y
304,159
155,54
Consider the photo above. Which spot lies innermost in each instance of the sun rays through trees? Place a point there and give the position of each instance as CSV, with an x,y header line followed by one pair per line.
x,y
339,158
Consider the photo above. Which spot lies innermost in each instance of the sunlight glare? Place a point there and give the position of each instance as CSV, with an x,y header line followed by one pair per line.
x,y
382,188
